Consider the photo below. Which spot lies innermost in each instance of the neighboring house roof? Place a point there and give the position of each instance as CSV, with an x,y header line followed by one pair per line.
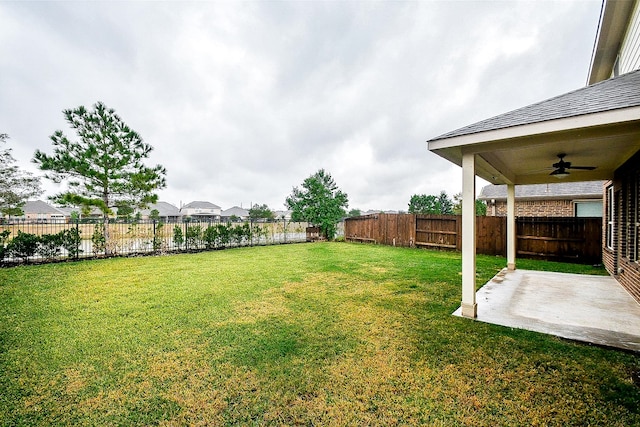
x,y
237,211
200,205
164,209
40,207
67,210
560,190
616,93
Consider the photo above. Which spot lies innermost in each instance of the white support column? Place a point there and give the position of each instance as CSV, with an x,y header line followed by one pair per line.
x,y
469,306
511,227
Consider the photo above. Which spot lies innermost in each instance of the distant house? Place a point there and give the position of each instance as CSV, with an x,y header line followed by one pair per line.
x,y
39,211
556,199
202,211
234,214
282,215
94,214
166,212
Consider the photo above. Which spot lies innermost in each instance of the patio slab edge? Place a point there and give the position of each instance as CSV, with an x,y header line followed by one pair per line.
x,y
585,308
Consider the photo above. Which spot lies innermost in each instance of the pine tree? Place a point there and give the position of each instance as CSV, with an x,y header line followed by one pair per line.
x,y
104,168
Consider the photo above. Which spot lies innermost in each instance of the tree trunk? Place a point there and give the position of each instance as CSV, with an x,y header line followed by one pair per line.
x,y
107,246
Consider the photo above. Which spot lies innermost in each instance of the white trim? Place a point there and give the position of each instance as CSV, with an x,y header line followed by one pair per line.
x,y
635,227
614,21
511,227
610,217
470,141
469,306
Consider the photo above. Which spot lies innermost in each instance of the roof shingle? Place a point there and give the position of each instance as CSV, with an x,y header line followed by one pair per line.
x,y
619,92
558,190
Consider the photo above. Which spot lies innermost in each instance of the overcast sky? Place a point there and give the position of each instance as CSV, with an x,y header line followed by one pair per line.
x,y
244,100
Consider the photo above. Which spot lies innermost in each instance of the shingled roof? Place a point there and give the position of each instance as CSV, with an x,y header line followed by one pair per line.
x,y
200,205
164,209
237,211
40,207
616,93
558,190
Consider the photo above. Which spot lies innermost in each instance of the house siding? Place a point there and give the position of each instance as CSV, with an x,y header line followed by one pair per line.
x,y
623,261
629,57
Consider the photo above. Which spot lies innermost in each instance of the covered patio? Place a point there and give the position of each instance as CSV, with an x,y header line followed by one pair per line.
x,y
592,309
584,135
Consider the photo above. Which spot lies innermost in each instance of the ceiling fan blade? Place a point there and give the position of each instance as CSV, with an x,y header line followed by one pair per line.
x,y
586,168
562,166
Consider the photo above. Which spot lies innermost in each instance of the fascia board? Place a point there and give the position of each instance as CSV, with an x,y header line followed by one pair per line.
x,y
474,142
614,22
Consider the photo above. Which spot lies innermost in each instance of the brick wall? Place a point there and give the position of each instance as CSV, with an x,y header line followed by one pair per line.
x,y
623,261
629,278
562,208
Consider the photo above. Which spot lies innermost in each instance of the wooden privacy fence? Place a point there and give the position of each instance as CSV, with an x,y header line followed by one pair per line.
x,y
562,239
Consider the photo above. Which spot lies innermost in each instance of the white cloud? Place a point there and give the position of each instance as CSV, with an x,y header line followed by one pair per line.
x,y
242,101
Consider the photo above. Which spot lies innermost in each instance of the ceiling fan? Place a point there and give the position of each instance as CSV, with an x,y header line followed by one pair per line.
x,y
561,167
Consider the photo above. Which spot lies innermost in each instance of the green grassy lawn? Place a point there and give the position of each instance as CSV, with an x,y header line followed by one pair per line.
x,y
308,334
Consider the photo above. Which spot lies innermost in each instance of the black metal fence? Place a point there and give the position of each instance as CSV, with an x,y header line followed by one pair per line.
x,y
23,242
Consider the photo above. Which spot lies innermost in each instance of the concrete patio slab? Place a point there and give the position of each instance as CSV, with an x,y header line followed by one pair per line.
x,y
593,309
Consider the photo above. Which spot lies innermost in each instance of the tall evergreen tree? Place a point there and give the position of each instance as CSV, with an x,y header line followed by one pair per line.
x,y
104,168
445,205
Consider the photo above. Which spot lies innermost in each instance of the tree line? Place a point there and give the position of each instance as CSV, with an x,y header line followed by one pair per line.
x,y
104,168
442,204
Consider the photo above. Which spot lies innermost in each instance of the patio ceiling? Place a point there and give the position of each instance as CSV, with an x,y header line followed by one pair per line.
x,y
504,159
594,126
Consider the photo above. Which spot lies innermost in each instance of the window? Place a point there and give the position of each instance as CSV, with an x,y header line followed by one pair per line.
x,y
610,217
629,218
588,209
634,220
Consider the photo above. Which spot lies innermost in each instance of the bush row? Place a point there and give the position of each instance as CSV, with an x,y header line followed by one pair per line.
x,y
185,237
48,246
216,235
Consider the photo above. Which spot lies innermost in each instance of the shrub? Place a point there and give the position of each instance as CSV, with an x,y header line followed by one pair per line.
x,y
98,240
242,233
70,240
157,238
49,245
178,236
193,236
224,235
3,239
210,237
235,234
24,245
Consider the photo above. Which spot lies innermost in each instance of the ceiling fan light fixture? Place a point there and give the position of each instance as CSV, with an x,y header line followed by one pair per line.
x,y
560,173
561,167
